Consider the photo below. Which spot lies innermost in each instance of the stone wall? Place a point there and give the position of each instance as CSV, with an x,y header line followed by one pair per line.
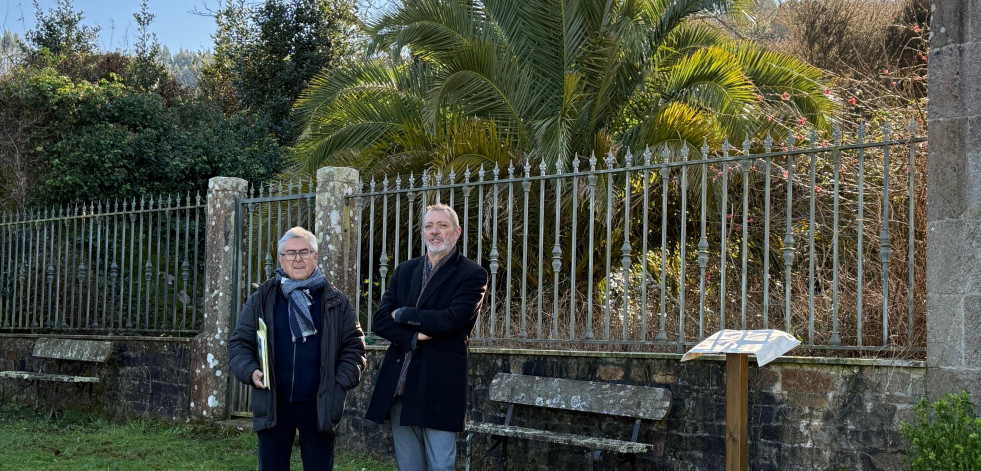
x,y
143,377
805,414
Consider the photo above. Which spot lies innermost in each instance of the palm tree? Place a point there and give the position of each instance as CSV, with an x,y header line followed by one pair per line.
x,y
457,83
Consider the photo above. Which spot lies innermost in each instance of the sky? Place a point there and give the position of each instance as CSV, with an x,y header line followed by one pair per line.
x,y
175,26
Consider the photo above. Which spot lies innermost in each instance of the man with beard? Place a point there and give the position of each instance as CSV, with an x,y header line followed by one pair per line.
x,y
427,314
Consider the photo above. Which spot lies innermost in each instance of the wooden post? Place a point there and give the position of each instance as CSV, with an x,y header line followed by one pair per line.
x,y
737,412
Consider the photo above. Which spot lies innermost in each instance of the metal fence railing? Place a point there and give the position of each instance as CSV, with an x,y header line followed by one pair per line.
x,y
823,238
120,267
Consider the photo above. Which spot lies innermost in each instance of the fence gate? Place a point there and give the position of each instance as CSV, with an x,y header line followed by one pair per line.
x,y
260,220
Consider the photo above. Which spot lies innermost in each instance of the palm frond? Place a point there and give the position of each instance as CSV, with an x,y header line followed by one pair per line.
x,y
428,27
774,74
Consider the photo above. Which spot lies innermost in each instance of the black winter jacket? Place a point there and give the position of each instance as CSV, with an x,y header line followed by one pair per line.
x,y
436,380
341,363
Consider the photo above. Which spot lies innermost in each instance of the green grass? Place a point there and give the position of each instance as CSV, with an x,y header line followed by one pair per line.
x,y
79,442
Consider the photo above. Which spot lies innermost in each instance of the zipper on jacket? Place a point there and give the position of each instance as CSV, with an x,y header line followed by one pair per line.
x,y
293,378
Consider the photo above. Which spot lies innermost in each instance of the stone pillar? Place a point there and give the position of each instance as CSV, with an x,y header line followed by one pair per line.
x,y
337,227
954,200
209,350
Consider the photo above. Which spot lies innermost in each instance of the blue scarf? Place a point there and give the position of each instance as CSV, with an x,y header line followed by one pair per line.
x,y
300,299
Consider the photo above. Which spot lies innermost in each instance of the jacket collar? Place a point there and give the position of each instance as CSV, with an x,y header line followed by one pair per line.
x,y
444,273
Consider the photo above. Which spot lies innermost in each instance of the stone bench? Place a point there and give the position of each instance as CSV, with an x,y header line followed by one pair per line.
x,y
636,402
91,352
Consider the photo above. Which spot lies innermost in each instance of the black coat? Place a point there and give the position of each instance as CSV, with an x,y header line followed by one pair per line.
x,y
342,355
436,382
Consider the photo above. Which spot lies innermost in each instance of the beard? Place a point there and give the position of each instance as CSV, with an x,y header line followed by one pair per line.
x,y
440,247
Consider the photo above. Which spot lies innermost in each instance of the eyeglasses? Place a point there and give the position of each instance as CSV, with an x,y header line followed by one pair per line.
x,y
292,255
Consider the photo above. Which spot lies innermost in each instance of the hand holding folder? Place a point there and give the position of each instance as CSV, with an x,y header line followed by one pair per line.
x,y
262,343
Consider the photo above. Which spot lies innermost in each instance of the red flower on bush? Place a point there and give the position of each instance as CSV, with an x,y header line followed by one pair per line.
x,y
785,96
851,101
827,91
885,71
802,121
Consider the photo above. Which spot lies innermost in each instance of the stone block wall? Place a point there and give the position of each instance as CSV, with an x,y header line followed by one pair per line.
x,y
805,414
143,377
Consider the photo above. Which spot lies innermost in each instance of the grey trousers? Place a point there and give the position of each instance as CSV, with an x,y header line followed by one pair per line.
x,y
420,448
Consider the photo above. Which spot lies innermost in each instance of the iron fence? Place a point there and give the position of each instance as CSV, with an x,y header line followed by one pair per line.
x,y
820,237
121,267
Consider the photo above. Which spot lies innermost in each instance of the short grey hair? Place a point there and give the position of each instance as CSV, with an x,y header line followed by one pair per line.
x,y
296,233
447,209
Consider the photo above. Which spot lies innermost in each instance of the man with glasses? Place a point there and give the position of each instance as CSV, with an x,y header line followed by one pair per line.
x,y
428,312
316,353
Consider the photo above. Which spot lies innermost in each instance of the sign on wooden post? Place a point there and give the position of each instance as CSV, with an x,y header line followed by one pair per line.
x,y
738,345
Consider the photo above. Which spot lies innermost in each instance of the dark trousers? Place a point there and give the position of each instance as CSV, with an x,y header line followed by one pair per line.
x,y
276,444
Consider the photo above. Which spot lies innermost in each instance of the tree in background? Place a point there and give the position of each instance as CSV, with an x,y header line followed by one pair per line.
x,y
266,55
81,125
185,66
463,83
11,51
60,30
217,82
147,72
